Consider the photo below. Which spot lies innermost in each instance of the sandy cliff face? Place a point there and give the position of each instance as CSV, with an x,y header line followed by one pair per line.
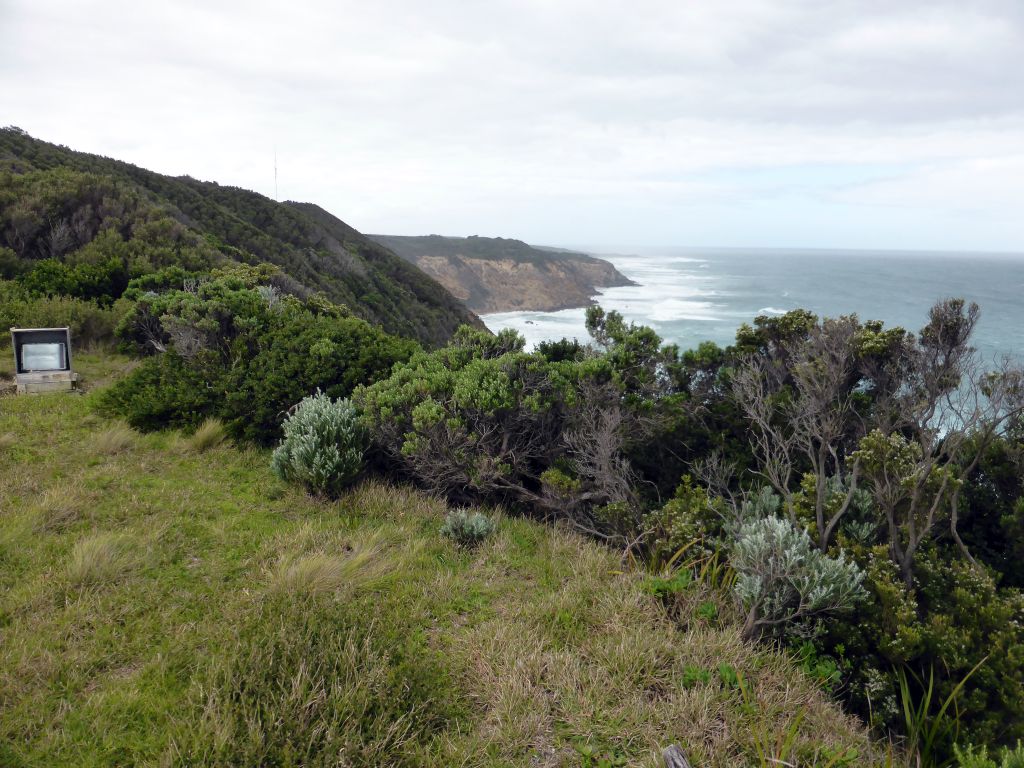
x,y
505,285
530,279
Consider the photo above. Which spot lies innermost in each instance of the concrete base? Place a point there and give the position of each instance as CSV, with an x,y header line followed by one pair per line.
x,y
57,381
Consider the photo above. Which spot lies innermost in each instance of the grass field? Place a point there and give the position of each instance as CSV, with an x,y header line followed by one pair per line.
x,y
167,601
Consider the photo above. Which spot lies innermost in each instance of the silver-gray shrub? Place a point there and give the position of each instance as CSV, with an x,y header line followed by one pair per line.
x,y
467,528
323,445
756,506
783,580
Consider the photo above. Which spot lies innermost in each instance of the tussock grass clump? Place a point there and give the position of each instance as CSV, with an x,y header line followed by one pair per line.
x,y
209,435
116,439
100,558
319,573
327,686
58,509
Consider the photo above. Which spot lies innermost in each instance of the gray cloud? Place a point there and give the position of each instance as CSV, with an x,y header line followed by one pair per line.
x,y
737,122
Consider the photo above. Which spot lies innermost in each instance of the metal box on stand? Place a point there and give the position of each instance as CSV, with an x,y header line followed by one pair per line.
x,y
42,360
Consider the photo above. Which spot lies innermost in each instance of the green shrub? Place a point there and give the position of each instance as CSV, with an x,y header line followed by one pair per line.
x,y
168,391
305,348
10,265
467,529
970,758
169,278
323,445
690,515
234,349
481,421
955,616
89,322
965,619
103,282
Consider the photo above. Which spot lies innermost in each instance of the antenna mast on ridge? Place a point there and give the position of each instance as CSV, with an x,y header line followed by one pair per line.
x,y
275,172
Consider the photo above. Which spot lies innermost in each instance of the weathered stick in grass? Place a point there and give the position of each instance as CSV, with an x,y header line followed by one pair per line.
x,y
674,757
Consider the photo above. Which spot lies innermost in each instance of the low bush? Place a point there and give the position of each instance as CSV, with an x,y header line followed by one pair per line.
x,y
467,529
168,391
784,581
323,445
89,322
231,348
979,758
484,422
102,282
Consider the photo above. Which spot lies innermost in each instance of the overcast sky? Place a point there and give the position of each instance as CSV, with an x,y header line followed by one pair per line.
x,y
831,123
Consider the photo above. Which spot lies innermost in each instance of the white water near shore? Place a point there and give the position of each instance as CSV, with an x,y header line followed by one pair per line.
x,y
691,295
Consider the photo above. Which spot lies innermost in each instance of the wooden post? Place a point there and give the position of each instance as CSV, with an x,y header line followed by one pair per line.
x,y
674,757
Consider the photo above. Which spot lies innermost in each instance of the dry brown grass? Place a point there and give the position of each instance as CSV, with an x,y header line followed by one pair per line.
x,y
596,651
100,558
318,573
115,439
209,435
58,509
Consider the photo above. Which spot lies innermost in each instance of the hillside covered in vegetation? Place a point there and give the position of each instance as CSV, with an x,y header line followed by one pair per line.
x,y
495,274
89,224
167,601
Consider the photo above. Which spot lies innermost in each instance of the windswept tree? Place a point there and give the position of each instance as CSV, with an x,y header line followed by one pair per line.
x,y
932,431
840,404
807,400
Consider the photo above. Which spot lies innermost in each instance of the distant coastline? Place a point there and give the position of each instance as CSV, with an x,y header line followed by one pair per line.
x,y
495,275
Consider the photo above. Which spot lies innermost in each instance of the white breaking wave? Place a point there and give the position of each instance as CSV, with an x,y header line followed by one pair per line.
x,y
669,291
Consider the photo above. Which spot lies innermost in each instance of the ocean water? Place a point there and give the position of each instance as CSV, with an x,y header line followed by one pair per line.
x,y
690,295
